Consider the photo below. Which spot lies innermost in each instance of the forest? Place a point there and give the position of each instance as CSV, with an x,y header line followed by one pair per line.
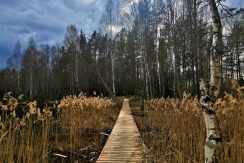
x,y
164,76
168,42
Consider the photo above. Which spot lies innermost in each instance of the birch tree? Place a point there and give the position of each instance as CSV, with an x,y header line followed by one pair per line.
x,y
209,92
108,23
29,69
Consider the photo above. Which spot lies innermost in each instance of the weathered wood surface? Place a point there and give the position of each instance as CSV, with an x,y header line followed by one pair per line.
x,y
124,143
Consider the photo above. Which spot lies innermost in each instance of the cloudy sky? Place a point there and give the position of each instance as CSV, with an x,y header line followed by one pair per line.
x,y
44,20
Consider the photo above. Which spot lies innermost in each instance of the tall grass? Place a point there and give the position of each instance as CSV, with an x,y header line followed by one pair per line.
x,y
174,129
83,125
77,133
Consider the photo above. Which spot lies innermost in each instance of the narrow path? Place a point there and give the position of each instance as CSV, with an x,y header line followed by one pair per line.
x,y
124,143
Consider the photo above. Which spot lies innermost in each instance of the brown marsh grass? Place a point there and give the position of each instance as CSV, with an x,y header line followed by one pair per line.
x,y
174,130
78,133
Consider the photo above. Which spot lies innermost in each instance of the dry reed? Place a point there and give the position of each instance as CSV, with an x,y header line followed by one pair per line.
x,y
75,134
174,129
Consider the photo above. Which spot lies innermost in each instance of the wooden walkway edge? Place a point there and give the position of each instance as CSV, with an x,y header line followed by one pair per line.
x,y
124,143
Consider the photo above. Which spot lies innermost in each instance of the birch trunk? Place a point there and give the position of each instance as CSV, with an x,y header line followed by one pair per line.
x,y
157,59
110,48
209,92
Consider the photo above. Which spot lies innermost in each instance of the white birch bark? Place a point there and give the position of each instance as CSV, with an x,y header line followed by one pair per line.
x,y
209,92
112,63
157,59
215,67
213,135
110,49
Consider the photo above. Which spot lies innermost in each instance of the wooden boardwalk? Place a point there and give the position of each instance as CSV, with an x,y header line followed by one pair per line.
x,y
124,143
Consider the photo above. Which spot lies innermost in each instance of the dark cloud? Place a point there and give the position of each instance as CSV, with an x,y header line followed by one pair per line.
x,y
5,50
44,20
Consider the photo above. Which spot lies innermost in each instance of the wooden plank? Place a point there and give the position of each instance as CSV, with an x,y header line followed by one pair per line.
x,y
124,143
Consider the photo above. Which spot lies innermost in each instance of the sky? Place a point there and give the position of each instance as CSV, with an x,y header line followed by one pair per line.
x,y
44,20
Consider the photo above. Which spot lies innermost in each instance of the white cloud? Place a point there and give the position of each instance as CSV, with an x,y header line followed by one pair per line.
x,y
113,29
46,21
85,2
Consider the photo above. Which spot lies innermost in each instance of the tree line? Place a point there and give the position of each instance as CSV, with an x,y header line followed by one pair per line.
x,y
162,48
